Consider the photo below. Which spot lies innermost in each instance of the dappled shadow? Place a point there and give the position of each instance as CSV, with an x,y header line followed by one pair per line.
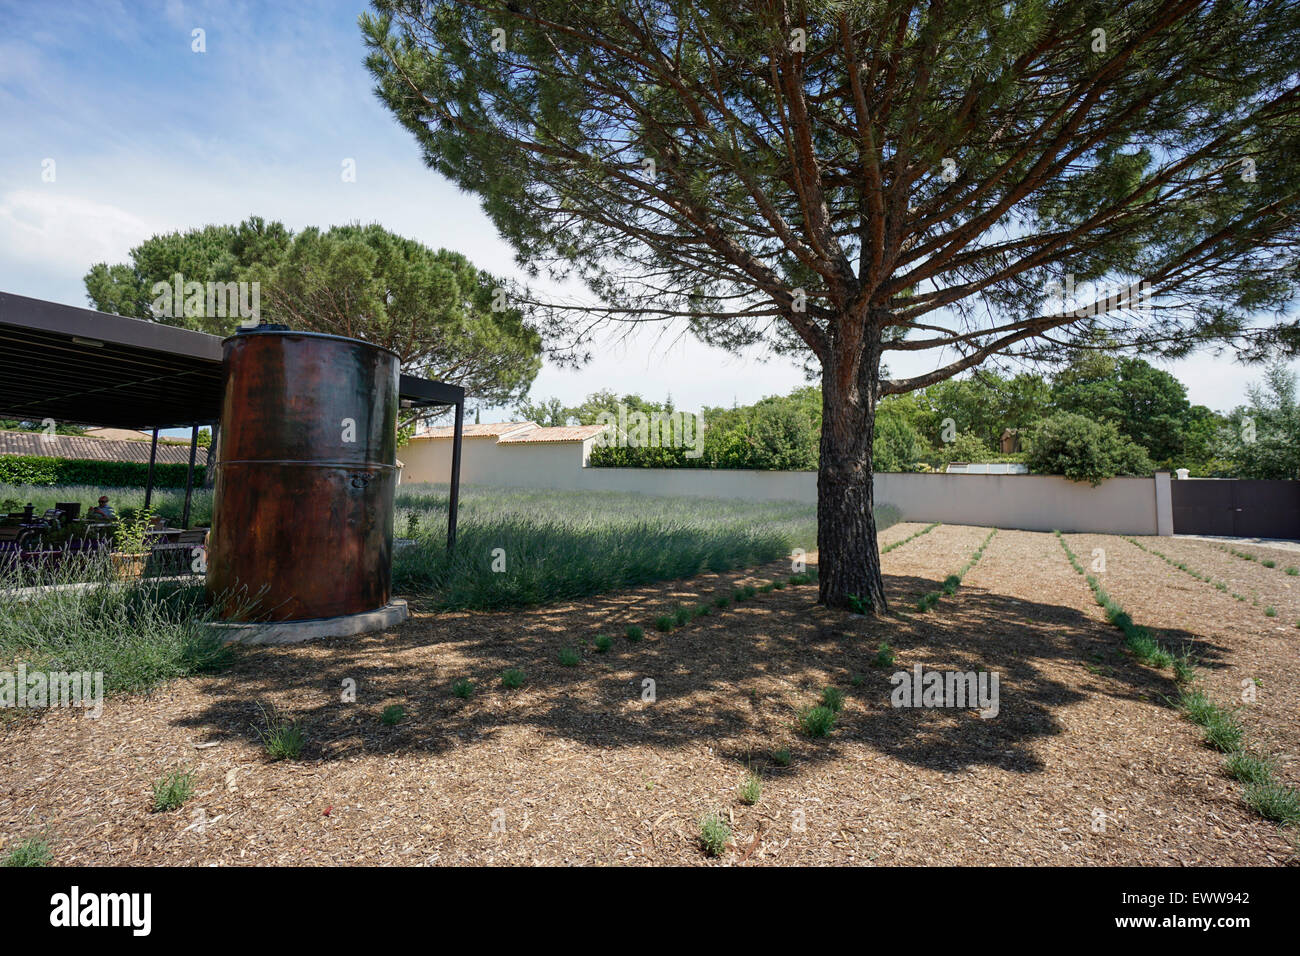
x,y
734,680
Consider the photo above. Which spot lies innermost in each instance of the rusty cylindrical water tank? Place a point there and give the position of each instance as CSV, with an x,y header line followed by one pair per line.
x,y
302,523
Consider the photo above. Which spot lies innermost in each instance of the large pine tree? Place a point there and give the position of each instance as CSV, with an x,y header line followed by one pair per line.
x,y
851,179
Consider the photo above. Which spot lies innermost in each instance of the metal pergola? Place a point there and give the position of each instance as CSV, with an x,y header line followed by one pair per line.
x,y
78,366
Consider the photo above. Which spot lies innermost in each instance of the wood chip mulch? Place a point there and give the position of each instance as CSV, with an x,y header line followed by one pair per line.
x,y
1086,762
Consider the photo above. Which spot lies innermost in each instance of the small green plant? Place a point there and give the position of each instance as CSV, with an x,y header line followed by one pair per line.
x,y
664,623
172,790
463,688
569,657
884,656
1223,732
1248,767
282,738
766,588
857,680
715,834
129,533
721,601
928,601
1292,571
392,715
512,678
681,616
833,698
33,851
1184,667
1270,611
603,643
702,610
816,721
1196,706
751,788
781,757
633,633
1274,801
778,585
859,605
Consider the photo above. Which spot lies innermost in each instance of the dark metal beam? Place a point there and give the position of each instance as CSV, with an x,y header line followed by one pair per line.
x,y
189,475
153,457
453,502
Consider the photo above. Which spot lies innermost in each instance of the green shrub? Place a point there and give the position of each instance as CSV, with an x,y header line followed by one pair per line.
x,y
715,834
884,656
33,851
1274,801
42,470
603,643
721,601
463,688
1083,449
512,678
570,657
282,738
751,788
817,721
633,633
665,623
172,790
781,757
833,698
392,715
1248,767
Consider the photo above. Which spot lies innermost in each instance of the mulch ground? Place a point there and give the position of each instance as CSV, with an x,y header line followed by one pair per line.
x,y
1085,763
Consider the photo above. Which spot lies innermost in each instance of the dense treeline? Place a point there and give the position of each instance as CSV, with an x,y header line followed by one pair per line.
x,y
1101,415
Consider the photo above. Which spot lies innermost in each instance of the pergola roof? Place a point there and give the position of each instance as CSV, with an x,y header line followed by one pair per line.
x,y
83,367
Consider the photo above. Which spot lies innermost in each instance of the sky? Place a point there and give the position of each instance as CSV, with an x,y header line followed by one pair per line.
x,y
143,134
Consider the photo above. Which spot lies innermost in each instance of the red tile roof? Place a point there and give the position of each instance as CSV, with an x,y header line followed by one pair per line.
x,y
95,449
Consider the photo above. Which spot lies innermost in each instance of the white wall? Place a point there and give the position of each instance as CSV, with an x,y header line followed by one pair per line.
x,y
1025,502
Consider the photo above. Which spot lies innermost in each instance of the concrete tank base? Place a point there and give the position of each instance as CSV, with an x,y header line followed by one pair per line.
x,y
294,632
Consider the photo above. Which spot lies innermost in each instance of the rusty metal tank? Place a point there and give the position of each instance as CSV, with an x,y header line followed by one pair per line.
x,y
302,523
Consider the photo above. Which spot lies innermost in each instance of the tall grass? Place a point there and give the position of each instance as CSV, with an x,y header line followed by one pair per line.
x,y
138,633
168,502
559,545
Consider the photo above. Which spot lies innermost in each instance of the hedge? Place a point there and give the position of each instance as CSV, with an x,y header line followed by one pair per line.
x,y
42,470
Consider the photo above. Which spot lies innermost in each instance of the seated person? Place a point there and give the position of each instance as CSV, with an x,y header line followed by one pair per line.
x,y
102,511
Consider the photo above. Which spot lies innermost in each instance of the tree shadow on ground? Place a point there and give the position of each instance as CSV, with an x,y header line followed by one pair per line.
x,y
734,680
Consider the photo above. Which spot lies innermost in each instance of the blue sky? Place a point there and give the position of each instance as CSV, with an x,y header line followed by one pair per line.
x,y
148,136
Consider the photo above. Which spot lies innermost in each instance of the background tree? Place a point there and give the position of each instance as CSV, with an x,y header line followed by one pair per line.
x,y
441,315
1083,449
1262,439
845,180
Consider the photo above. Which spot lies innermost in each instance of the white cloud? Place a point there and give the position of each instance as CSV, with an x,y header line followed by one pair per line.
x,y
56,230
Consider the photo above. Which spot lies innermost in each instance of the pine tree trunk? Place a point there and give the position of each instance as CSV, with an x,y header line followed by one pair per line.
x,y
848,561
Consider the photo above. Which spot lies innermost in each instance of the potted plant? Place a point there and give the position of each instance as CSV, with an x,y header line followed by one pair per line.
x,y
131,546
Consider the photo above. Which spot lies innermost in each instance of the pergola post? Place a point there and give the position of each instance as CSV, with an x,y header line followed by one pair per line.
x,y
453,504
189,475
153,457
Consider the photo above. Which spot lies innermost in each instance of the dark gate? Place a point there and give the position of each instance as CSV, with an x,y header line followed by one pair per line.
x,y
1237,507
